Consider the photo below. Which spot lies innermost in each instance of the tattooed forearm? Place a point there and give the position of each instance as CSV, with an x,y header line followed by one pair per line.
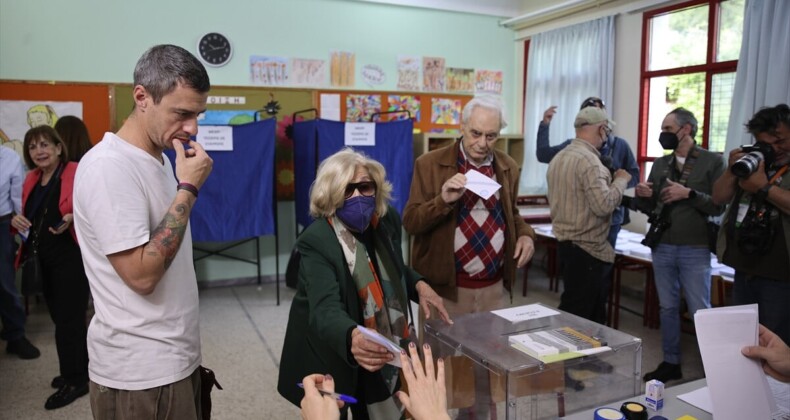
x,y
167,237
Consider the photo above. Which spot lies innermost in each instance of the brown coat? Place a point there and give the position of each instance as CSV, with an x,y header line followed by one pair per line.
x,y
432,222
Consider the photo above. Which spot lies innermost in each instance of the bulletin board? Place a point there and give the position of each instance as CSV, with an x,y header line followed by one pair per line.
x,y
290,100
97,100
428,121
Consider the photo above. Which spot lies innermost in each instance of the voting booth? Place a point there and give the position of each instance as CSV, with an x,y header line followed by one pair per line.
x,y
565,372
390,143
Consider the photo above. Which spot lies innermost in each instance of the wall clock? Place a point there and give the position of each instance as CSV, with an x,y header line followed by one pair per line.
x,y
215,49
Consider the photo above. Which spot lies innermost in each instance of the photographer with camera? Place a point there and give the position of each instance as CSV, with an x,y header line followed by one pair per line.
x,y
677,194
582,195
755,234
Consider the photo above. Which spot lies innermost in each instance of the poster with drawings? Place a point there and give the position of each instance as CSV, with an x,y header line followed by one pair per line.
x,y
409,72
460,80
308,72
268,70
433,76
359,108
488,81
341,68
16,117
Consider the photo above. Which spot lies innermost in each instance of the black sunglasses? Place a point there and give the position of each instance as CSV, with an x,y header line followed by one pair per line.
x,y
366,188
596,102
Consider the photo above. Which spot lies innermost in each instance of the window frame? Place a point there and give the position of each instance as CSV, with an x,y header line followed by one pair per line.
x,y
710,68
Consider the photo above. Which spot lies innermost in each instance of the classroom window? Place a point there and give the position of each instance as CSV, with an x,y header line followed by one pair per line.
x,y
690,55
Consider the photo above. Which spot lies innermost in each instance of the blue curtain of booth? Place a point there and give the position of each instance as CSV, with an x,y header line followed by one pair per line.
x,y
393,149
236,200
304,135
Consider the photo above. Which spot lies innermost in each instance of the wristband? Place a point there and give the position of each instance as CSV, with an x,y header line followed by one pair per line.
x,y
762,193
187,187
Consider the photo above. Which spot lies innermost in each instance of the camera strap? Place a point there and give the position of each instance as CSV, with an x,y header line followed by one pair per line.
x,y
688,166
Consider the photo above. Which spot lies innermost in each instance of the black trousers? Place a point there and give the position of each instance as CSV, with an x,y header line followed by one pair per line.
x,y
66,292
586,281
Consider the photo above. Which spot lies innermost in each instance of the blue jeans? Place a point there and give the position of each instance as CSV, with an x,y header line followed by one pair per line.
x,y
677,266
11,311
772,296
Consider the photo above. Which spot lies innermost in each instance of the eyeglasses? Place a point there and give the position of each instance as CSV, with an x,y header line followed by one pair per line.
x,y
596,102
489,136
366,188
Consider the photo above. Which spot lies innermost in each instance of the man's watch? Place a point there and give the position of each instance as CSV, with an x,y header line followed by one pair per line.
x,y
762,193
692,193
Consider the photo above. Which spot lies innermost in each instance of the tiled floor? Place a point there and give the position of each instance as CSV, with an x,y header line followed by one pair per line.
x,y
242,334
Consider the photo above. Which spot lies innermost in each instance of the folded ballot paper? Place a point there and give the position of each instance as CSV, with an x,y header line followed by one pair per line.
x,y
377,338
480,184
738,386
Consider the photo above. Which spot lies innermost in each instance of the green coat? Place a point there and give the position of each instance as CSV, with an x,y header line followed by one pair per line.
x,y
326,307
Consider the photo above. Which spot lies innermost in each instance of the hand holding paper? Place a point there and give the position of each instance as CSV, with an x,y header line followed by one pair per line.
x,y
481,185
391,355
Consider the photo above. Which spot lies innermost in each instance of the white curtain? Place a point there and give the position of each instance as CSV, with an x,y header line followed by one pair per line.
x,y
564,67
763,77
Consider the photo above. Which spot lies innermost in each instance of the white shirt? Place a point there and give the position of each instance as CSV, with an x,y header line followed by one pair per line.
x,y
12,176
121,194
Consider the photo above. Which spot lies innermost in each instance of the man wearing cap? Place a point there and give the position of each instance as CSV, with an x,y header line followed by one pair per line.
x,y
615,153
678,190
582,196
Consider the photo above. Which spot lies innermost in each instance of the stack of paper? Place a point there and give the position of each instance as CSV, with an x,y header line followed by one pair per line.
x,y
737,384
556,344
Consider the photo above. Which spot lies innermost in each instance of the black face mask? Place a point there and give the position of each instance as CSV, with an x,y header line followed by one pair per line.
x,y
668,140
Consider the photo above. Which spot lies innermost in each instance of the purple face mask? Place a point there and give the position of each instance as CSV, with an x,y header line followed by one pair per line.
x,y
357,212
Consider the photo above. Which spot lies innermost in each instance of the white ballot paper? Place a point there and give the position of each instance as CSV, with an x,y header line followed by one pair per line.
x,y
377,338
480,184
525,312
738,386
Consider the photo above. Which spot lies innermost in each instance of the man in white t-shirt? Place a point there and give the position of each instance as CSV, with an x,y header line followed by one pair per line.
x,y
131,216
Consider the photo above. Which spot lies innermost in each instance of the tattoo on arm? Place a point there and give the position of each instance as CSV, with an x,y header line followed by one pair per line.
x,y
166,238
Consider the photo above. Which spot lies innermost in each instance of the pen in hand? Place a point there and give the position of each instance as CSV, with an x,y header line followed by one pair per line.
x,y
335,395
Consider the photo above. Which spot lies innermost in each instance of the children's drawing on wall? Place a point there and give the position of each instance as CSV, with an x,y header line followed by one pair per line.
x,y
342,68
445,111
226,117
268,70
16,117
308,72
359,108
409,103
460,80
408,72
489,81
433,77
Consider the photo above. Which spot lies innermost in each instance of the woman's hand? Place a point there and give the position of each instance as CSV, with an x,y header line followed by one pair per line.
x,y
64,225
316,406
20,223
428,298
368,354
428,399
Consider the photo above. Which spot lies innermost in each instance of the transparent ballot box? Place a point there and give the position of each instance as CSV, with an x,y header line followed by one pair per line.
x,y
524,367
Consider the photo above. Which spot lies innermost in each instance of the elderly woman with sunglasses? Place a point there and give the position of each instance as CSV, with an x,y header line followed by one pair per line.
x,y
352,273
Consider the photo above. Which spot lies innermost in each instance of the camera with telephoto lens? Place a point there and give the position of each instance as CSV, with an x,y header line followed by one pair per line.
x,y
747,165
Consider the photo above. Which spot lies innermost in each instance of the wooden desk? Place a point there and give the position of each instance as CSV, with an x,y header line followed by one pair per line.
x,y
650,309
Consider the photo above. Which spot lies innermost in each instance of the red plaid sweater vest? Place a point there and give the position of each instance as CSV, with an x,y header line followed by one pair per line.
x,y
479,235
